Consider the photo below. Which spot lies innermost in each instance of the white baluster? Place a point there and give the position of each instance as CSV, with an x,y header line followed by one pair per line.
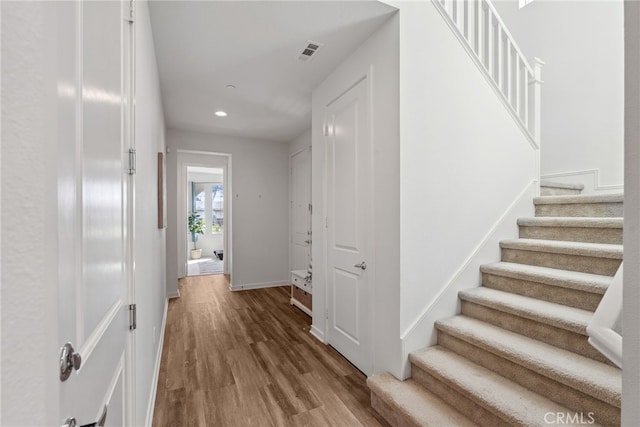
x,y
525,92
509,73
479,29
518,85
448,6
490,44
536,64
500,61
465,20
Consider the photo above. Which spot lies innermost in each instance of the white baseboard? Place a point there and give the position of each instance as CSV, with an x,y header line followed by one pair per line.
x,y
590,178
156,372
259,285
318,334
175,294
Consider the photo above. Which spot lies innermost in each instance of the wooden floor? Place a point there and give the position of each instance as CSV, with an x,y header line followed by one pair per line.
x,y
247,359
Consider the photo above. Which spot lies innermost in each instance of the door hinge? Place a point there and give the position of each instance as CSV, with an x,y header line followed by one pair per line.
x,y
133,317
131,17
310,209
132,161
326,313
326,130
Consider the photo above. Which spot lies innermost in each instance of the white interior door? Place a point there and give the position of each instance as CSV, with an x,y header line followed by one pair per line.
x,y
301,210
348,143
94,75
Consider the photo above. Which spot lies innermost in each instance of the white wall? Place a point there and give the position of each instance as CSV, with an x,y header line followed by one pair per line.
x,y
583,91
631,292
150,276
259,206
465,165
378,54
302,142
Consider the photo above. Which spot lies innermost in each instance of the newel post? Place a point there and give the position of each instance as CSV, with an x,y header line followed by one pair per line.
x,y
536,64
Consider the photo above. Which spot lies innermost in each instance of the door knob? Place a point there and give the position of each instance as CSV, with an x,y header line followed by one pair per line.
x,y
362,265
308,241
69,360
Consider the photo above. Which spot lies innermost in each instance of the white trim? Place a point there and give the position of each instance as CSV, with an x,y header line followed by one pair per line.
x,y
175,294
259,285
156,372
92,341
591,184
317,334
298,304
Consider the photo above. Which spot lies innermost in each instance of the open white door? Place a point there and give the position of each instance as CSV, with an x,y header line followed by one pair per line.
x,y
348,139
94,78
301,210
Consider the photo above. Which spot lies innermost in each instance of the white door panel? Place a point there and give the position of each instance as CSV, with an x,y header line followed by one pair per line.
x,y
301,215
348,207
94,82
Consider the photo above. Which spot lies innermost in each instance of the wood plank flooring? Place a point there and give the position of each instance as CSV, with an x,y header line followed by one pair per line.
x,y
247,359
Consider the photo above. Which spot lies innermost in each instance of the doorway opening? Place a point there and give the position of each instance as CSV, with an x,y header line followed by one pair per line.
x,y
206,212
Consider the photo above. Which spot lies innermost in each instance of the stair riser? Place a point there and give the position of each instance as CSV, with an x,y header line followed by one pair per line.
x,y
573,399
392,417
449,393
586,264
573,234
556,294
613,209
549,334
552,191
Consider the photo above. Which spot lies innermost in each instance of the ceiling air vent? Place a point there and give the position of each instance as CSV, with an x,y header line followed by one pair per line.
x,y
310,49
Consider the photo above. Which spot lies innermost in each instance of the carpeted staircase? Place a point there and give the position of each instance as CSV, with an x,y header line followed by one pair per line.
x,y
517,354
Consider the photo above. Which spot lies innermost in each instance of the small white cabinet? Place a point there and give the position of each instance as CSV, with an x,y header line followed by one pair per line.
x,y
301,291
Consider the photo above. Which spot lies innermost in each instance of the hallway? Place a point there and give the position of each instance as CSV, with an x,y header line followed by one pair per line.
x,y
246,358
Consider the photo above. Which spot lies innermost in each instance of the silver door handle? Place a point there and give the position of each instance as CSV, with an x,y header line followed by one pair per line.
x,y
69,360
362,265
308,241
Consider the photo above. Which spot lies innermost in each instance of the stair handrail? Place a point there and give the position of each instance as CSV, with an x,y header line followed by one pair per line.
x,y
489,42
604,328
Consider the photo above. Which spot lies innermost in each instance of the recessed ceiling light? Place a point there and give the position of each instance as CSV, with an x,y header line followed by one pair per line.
x,y
231,86
221,113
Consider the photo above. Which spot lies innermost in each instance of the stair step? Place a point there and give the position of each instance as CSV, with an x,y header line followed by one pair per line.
x,y
595,379
595,258
557,315
607,205
555,324
572,288
575,229
483,389
548,188
408,403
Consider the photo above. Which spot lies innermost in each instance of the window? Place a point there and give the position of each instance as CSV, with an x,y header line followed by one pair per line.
x,y
217,208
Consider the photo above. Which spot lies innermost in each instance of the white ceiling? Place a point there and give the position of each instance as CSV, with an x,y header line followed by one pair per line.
x,y
201,47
